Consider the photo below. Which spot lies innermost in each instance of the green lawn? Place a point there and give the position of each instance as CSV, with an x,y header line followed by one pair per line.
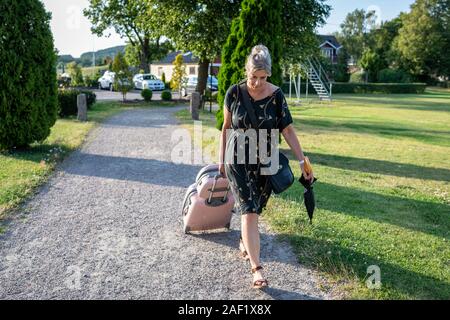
x,y
22,171
383,163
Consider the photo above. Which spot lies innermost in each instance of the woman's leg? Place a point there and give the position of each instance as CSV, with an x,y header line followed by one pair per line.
x,y
251,240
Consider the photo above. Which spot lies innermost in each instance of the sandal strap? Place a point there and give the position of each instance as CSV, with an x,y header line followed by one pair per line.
x,y
257,269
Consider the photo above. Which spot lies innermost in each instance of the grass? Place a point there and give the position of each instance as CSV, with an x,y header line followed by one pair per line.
x,y
21,172
92,71
382,197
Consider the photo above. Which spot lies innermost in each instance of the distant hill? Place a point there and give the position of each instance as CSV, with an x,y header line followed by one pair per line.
x,y
86,58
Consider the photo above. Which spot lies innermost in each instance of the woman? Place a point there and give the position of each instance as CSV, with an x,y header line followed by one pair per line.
x,y
251,189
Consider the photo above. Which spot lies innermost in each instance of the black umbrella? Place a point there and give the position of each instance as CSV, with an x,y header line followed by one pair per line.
x,y
308,195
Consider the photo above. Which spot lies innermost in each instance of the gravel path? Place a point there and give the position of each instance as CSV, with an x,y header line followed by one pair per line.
x,y
107,225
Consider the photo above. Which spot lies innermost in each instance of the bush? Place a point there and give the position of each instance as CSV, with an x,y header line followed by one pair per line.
x,y
147,94
67,101
394,76
343,87
90,82
28,86
358,77
386,88
166,95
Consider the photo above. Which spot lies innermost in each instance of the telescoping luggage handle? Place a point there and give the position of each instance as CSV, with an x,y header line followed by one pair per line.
x,y
214,190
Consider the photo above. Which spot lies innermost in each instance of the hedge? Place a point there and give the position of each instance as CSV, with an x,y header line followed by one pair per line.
x,y
387,88
67,101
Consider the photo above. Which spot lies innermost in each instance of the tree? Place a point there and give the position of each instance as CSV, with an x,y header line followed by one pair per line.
x,y
75,74
157,51
354,31
179,73
423,42
129,19
200,26
300,21
372,63
123,77
259,22
28,88
382,38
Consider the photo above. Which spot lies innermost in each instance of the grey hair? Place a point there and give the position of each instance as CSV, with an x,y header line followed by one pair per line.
x,y
259,59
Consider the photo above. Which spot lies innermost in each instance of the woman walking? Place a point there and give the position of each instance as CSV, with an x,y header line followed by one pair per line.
x,y
251,189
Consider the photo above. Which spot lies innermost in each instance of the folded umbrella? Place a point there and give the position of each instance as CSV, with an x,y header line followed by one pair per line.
x,y
308,194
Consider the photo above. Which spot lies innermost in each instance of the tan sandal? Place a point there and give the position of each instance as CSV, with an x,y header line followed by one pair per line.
x,y
244,253
260,283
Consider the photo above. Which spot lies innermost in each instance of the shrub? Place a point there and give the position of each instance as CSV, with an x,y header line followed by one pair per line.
x,y
394,76
343,87
166,95
385,88
147,94
358,77
67,101
90,82
28,86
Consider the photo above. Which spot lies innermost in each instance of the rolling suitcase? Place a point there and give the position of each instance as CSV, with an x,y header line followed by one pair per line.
x,y
208,203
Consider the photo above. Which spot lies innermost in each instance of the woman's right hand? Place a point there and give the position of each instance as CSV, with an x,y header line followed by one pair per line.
x,y
222,170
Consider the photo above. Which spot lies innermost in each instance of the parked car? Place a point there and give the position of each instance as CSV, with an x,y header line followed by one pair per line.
x,y
107,81
191,83
148,81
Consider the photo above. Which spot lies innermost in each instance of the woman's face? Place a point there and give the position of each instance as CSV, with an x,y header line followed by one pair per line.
x,y
257,79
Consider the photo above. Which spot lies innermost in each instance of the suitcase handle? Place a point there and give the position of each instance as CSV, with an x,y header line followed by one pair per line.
x,y
213,190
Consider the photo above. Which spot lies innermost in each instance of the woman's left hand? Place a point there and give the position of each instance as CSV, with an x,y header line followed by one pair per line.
x,y
308,176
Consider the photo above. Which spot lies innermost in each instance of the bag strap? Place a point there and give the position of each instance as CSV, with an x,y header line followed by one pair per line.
x,y
248,104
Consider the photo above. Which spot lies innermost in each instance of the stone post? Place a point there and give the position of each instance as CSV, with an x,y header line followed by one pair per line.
x,y
82,107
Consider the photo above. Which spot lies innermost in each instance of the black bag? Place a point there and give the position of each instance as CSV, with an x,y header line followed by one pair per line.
x,y
284,178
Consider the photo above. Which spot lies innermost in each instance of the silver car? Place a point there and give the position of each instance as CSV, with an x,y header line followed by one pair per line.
x,y
148,81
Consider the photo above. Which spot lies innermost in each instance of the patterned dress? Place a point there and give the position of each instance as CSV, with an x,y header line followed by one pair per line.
x,y
251,189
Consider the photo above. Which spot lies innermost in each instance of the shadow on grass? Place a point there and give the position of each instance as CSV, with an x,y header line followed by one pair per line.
x,y
428,136
402,102
422,216
379,167
344,262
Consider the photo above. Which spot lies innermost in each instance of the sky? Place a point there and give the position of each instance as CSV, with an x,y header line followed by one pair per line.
x,y
71,30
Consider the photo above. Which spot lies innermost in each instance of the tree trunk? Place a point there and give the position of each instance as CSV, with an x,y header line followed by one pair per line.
x,y
145,54
203,66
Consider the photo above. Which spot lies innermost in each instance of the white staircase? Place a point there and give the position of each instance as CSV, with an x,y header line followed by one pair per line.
x,y
319,79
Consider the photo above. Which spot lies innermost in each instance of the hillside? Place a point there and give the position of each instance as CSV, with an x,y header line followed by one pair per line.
x,y
86,58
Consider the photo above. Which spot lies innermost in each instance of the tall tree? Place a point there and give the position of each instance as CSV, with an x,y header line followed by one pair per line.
x,y
157,49
382,38
259,22
354,31
424,39
298,38
300,21
28,89
130,20
179,72
200,26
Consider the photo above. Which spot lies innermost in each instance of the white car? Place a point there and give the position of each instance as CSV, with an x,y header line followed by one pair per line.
x,y
148,81
106,81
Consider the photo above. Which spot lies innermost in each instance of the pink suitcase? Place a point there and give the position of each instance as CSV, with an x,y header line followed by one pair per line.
x,y
208,203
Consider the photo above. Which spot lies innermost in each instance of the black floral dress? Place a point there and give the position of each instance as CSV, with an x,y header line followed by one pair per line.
x,y
251,189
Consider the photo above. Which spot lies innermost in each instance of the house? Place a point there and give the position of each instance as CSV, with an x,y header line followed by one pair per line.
x,y
329,46
166,65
